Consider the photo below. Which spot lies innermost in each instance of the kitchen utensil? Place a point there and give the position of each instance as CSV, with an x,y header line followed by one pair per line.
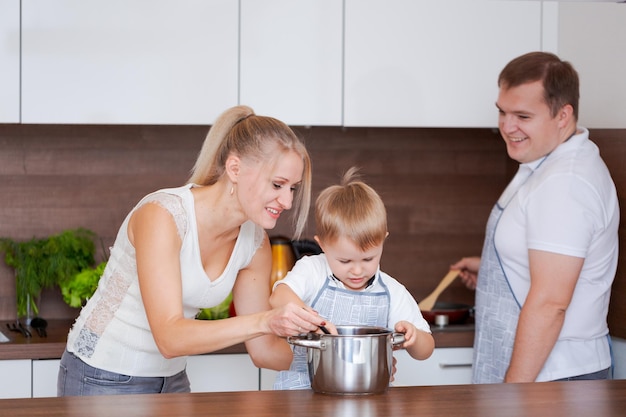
x,y
305,247
324,329
428,303
18,328
457,313
39,325
357,360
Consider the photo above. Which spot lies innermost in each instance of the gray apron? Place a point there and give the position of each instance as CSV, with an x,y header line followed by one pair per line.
x,y
340,307
497,309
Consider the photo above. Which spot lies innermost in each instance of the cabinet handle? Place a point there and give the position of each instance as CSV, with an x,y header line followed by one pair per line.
x,y
455,365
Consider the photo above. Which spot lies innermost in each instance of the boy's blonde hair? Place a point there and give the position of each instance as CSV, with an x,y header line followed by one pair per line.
x,y
353,210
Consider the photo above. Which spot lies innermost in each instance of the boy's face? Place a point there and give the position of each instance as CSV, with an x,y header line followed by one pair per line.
x,y
349,263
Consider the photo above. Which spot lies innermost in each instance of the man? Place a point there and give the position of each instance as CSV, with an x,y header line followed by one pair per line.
x,y
550,254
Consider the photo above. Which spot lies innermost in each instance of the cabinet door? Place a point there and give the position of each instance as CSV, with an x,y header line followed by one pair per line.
x,y
15,378
415,63
291,59
268,376
593,37
128,62
222,372
446,366
9,61
45,374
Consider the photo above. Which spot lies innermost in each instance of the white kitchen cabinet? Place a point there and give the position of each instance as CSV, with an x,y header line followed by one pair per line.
x,y
268,376
9,61
128,62
45,374
15,378
222,372
419,63
291,60
446,366
593,37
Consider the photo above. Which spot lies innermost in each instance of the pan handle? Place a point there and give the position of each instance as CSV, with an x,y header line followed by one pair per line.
x,y
304,341
397,338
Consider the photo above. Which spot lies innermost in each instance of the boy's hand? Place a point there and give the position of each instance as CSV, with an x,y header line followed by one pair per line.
x,y
419,344
410,334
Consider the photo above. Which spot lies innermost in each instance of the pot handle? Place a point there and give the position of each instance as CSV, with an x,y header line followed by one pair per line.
x,y
304,341
397,338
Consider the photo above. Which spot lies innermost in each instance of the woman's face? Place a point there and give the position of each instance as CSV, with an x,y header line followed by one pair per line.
x,y
349,264
266,191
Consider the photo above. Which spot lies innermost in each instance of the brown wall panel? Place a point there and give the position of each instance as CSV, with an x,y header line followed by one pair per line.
x,y
438,186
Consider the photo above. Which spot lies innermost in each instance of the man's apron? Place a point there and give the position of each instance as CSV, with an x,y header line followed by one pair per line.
x,y
340,307
497,309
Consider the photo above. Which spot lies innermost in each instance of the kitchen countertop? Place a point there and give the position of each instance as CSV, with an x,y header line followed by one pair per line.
x,y
545,399
52,347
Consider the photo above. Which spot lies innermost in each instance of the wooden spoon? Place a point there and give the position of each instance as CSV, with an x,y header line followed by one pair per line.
x,y
428,303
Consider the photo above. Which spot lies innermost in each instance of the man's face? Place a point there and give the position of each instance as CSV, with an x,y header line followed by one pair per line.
x,y
525,122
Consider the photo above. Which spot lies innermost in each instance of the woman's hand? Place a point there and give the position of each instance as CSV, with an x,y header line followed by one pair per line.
x,y
469,270
330,327
293,319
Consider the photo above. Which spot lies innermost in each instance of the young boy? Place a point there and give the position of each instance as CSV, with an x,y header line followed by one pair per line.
x,y
344,284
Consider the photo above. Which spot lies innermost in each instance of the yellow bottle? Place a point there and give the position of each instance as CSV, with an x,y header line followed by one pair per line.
x,y
283,258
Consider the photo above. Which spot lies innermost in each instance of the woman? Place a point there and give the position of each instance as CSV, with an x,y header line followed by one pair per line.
x,y
187,248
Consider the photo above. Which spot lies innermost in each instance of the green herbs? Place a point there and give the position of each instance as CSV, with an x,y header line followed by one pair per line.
x,y
81,286
43,263
220,311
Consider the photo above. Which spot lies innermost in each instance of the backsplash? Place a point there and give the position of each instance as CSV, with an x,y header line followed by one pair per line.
x,y
438,186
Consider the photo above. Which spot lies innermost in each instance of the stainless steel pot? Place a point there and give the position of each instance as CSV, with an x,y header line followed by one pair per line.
x,y
358,360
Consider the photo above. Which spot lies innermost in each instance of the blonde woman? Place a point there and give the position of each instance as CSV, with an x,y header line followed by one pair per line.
x,y
186,248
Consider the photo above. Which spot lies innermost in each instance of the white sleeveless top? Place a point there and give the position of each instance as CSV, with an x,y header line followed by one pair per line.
x,y
112,331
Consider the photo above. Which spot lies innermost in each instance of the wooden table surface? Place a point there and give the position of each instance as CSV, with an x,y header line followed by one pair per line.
x,y
548,399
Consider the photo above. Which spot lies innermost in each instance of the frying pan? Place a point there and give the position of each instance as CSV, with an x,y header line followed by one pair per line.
x,y
457,313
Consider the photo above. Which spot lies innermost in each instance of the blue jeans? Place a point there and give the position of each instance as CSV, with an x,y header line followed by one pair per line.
x,y
78,378
603,374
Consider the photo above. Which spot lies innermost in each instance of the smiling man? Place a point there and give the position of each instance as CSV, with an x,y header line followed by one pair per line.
x,y
544,279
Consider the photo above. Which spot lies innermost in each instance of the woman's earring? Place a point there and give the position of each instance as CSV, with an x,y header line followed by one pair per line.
x,y
232,190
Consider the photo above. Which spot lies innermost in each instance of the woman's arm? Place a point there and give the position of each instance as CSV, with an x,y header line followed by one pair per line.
x,y
251,295
157,245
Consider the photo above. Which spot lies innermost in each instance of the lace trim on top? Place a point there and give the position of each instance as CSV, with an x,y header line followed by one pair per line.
x,y
174,205
120,273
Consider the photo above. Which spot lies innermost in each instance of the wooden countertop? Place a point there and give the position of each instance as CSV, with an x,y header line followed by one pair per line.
x,y
547,399
52,347
35,347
